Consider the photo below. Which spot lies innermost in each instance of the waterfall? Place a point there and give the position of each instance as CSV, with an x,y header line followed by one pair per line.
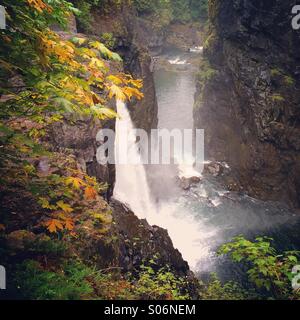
x,y
133,190
131,180
200,219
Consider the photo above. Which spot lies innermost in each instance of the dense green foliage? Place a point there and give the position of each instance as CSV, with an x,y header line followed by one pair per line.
x,y
160,12
70,283
216,290
166,10
73,280
180,10
162,284
268,270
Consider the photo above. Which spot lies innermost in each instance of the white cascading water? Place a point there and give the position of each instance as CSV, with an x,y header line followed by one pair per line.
x,y
132,189
131,181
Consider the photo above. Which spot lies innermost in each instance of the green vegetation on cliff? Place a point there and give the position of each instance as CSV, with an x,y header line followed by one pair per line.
x,y
180,10
164,11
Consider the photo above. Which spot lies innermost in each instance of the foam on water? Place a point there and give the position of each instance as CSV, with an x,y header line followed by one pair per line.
x,y
177,61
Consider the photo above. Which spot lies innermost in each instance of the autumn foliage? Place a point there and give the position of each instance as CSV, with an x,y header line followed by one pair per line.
x,y
44,76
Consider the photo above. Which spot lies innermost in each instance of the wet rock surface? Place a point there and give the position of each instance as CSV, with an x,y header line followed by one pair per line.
x,y
140,242
186,183
249,106
175,35
214,168
132,242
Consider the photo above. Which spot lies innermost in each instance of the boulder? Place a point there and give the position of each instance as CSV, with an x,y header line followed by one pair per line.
x,y
187,183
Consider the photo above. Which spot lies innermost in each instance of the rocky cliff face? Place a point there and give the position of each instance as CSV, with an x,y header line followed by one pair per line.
x,y
79,137
138,242
122,24
174,35
249,104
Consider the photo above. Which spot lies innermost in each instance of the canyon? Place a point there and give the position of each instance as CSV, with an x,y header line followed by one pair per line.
x,y
238,106
241,85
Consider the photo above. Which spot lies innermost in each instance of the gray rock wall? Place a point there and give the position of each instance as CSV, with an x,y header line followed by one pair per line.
x,y
249,108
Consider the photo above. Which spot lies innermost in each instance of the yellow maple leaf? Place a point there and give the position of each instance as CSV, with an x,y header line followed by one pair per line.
x,y
115,91
75,182
96,63
64,206
138,83
45,204
116,80
102,48
103,113
78,40
133,92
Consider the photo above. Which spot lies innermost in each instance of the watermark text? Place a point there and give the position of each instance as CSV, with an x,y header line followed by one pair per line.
x,y
2,18
2,278
296,18
161,146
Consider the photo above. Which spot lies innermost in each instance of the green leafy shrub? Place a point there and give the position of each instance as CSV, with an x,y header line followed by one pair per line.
x,y
73,280
159,285
84,16
267,269
199,9
205,74
108,39
231,290
280,74
289,81
276,72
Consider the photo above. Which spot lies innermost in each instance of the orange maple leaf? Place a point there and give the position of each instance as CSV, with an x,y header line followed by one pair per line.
x,y
54,224
90,193
39,5
69,224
